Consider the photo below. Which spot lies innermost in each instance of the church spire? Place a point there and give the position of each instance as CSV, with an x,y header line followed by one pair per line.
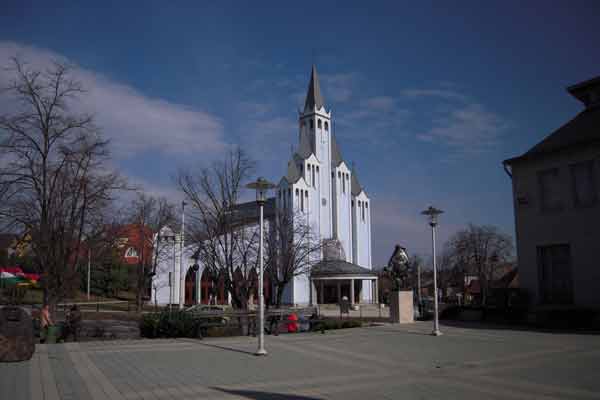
x,y
313,97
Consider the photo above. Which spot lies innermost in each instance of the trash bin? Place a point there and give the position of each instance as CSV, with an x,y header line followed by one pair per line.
x,y
16,332
53,333
292,324
303,324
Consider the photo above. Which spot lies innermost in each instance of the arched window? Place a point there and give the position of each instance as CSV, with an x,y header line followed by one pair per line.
x,y
319,124
311,124
312,170
296,192
131,253
327,126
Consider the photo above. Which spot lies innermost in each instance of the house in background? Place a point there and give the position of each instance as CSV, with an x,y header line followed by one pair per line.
x,y
133,243
556,195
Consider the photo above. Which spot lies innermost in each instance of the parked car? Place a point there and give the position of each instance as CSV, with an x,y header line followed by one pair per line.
x,y
209,309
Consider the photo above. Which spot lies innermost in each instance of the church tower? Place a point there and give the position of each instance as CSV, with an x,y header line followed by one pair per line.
x,y
315,139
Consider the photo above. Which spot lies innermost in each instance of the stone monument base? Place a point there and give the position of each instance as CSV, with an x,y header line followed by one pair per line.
x,y
401,307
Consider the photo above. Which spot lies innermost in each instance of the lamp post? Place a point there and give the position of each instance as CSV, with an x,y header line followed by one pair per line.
x,y
89,270
171,238
181,264
432,214
261,186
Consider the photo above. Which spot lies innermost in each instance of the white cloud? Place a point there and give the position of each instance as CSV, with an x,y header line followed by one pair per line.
x,y
469,128
134,122
380,103
441,93
338,88
458,121
396,221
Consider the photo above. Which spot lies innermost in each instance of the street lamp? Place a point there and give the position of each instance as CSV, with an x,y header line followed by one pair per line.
x,y
261,186
171,238
181,264
432,214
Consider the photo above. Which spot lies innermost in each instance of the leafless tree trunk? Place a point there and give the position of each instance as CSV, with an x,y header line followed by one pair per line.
x,y
149,215
292,248
226,243
482,250
53,176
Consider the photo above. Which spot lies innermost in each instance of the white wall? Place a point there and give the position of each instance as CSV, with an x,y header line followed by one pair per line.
x,y
342,208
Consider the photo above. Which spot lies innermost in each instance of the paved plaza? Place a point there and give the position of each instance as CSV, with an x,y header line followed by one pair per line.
x,y
385,362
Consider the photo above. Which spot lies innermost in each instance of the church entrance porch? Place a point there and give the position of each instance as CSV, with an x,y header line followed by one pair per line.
x,y
332,290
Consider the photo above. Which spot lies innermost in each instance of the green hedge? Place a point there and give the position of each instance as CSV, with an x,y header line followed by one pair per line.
x,y
330,324
173,324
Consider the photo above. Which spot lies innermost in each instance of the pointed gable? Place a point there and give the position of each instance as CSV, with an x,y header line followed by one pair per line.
x,y
313,96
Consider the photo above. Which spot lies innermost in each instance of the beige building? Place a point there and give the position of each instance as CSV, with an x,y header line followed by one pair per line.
x,y
556,195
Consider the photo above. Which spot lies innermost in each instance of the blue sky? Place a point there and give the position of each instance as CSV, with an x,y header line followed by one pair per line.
x,y
427,100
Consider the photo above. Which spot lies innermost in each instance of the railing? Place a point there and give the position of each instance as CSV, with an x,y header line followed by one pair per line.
x,y
114,305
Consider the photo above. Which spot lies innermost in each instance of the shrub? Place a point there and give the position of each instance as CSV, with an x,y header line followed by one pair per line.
x,y
330,324
171,325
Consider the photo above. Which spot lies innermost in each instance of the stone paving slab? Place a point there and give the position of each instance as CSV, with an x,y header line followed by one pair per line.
x,y
392,361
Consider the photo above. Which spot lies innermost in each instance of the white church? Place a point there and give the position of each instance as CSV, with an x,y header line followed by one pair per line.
x,y
324,189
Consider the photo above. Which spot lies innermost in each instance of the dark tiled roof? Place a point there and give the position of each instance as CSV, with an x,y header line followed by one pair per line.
x,y
293,173
305,148
313,97
245,213
336,155
356,187
581,130
338,267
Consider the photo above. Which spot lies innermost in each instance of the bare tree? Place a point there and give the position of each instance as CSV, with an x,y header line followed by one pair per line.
x,y
481,250
148,216
53,176
226,240
292,247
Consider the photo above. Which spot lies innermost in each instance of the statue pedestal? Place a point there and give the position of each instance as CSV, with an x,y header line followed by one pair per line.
x,y
401,307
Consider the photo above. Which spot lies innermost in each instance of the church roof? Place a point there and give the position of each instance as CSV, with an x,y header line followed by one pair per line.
x,y
328,268
336,155
356,188
305,149
293,174
313,96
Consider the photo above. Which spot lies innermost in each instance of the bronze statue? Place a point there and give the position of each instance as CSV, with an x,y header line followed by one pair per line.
x,y
398,269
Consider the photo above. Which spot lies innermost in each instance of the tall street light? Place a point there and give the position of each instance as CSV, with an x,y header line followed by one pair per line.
x,y
432,214
168,238
261,186
181,263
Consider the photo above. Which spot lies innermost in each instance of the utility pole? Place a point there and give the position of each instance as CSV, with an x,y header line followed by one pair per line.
x,y
181,263
89,270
